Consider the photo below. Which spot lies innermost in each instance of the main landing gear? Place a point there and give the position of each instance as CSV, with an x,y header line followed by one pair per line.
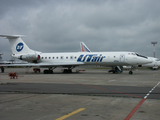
x,y
49,71
69,70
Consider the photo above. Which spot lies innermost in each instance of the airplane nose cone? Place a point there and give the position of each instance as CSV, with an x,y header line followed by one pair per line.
x,y
139,60
149,61
145,61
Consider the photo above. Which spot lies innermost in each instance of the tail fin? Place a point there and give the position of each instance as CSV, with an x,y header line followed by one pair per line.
x,y
84,48
18,46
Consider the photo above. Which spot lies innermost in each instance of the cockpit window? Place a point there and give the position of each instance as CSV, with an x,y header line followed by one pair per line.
x,y
141,56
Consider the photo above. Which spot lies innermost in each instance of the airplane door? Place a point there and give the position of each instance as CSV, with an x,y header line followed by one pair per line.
x,y
122,58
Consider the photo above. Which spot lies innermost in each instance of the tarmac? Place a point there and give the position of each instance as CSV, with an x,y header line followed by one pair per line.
x,y
93,94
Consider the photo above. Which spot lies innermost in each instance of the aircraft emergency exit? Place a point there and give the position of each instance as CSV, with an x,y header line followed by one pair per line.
x,y
70,59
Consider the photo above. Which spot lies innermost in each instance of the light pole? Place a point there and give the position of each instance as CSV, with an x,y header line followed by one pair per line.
x,y
154,48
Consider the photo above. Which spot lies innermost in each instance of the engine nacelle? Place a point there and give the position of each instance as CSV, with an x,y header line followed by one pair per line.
x,y
30,57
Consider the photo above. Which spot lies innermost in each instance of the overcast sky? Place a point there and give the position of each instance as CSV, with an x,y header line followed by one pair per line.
x,y
103,25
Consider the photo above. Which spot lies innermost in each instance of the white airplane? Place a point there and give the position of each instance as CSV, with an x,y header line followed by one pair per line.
x,y
153,65
71,59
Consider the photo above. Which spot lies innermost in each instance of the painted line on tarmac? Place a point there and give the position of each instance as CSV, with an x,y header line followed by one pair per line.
x,y
105,89
70,114
111,80
140,103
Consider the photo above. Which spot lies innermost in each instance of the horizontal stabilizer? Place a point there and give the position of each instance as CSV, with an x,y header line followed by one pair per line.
x,y
45,64
11,36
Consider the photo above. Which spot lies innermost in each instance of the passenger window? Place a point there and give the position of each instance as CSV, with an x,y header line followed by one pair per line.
x,y
52,57
45,57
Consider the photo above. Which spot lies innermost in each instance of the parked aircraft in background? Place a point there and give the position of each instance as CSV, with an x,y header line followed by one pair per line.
x,y
84,48
11,61
3,61
71,59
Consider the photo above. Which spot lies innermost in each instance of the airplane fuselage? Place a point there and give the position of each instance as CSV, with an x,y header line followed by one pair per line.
x,y
93,58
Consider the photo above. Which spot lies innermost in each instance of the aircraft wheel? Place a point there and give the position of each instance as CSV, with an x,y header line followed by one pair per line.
x,y
67,71
45,71
130,72
48,71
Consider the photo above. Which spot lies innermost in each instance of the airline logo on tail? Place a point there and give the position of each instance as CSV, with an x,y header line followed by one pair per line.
x,y
90,58
84,48
19,47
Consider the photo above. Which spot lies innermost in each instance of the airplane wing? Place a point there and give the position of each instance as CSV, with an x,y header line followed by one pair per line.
x,y
45,64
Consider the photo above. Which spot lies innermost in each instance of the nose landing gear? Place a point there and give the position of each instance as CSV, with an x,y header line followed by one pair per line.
x,y
131,72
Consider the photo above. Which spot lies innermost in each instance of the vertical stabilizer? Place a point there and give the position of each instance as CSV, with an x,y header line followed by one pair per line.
x,y
18,46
